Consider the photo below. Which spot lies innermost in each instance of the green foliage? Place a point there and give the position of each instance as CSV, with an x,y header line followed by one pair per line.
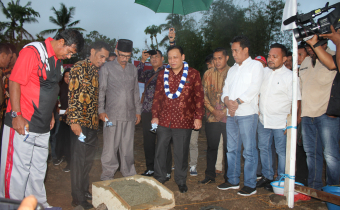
x,y
90,38
153,31
62,18
18,16
260,22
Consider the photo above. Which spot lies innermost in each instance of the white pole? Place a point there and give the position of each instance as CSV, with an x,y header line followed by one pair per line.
x,y
291,143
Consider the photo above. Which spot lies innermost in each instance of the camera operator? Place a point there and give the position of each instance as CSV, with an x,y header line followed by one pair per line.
x,y
335,37
319,127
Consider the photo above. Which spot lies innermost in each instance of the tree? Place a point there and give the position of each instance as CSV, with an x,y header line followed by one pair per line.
x,y
153,31
90,39
63,19
18,15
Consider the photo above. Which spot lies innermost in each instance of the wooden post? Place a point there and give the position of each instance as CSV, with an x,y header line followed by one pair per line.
x,y
328,197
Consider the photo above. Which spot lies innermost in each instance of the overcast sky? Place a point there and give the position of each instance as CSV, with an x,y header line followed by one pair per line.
x,y
119,18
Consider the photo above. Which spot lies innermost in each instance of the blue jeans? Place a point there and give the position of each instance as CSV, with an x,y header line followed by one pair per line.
x,y
320,135
242,130
265,136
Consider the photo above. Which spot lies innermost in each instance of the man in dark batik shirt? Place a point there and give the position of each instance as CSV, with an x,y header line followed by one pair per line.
x,y
83,119
149,78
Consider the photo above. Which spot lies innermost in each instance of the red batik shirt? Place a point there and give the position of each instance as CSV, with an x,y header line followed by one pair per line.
x,y
182,111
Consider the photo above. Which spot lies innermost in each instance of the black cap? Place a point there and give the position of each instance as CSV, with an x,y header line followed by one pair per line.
x,y
152,52
125,45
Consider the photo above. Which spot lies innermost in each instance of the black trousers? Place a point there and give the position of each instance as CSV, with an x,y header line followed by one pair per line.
x,y
82,156
213,131
301,174
63,144
181,141
150,144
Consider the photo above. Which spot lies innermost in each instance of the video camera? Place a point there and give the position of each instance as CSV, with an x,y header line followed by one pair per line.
x,y
308,27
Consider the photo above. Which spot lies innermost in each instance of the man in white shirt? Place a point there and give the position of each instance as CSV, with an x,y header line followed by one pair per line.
x,y
240,95
275,104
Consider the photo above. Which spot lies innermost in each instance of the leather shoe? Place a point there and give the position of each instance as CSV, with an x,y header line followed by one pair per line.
x,y
207,181
183,188
268,187
88,196
262,182
84,204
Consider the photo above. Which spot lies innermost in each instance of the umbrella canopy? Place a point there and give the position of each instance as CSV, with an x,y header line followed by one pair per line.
x,y
181,7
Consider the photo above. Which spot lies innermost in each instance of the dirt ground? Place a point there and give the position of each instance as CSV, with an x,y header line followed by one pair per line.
x,y
58,185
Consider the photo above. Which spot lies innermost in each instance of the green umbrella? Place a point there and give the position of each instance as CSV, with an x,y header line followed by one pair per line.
x,y
181,7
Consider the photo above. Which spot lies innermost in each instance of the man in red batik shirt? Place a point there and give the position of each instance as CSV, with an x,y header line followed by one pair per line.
x,y
177,109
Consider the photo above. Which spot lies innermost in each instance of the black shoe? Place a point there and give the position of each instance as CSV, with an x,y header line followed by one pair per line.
x,y
268,187
228,186
183,188
57,162
258,176
88,196
67,168
168,177
147,173
207,181
247,191
262,182
84,204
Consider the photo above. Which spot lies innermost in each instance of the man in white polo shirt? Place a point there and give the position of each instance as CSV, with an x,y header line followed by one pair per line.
x,y
240,95
276,96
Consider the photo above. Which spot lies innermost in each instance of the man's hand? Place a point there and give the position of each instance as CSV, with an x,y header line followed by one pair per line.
x,y
155,121
298,120
334,36
312,41
76,129
232,114
102,116
232,106
172,34
218,114
52,122
145,56
197,124
19,124
138,118
29,203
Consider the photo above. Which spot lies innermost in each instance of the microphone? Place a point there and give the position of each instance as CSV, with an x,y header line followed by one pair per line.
x,y
289,20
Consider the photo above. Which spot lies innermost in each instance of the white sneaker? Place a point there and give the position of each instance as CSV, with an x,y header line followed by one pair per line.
x,y
193,171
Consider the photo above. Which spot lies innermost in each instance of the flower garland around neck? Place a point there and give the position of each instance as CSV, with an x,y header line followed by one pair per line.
x,y
181,84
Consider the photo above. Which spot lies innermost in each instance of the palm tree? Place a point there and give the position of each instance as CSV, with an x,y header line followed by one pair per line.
x,y
63,19
18,15
153,31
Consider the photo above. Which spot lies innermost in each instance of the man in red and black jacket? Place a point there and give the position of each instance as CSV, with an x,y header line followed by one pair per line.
x,y
34,90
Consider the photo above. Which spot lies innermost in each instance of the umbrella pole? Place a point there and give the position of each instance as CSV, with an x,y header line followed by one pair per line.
x,y
172,17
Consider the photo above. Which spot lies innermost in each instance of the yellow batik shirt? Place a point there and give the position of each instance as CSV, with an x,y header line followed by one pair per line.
x,y
213,82
83,95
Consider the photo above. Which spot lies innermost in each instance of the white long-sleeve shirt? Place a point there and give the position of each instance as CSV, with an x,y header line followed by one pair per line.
x,y
276,95
244,82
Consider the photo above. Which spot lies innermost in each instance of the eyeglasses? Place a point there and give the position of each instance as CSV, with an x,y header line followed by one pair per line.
x,y
124,56
70,53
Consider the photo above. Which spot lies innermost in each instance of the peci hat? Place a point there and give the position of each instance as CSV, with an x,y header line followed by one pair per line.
x,y
124,45
261,59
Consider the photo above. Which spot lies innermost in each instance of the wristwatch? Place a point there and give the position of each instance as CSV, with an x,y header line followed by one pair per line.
x,y
15,114
238,101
